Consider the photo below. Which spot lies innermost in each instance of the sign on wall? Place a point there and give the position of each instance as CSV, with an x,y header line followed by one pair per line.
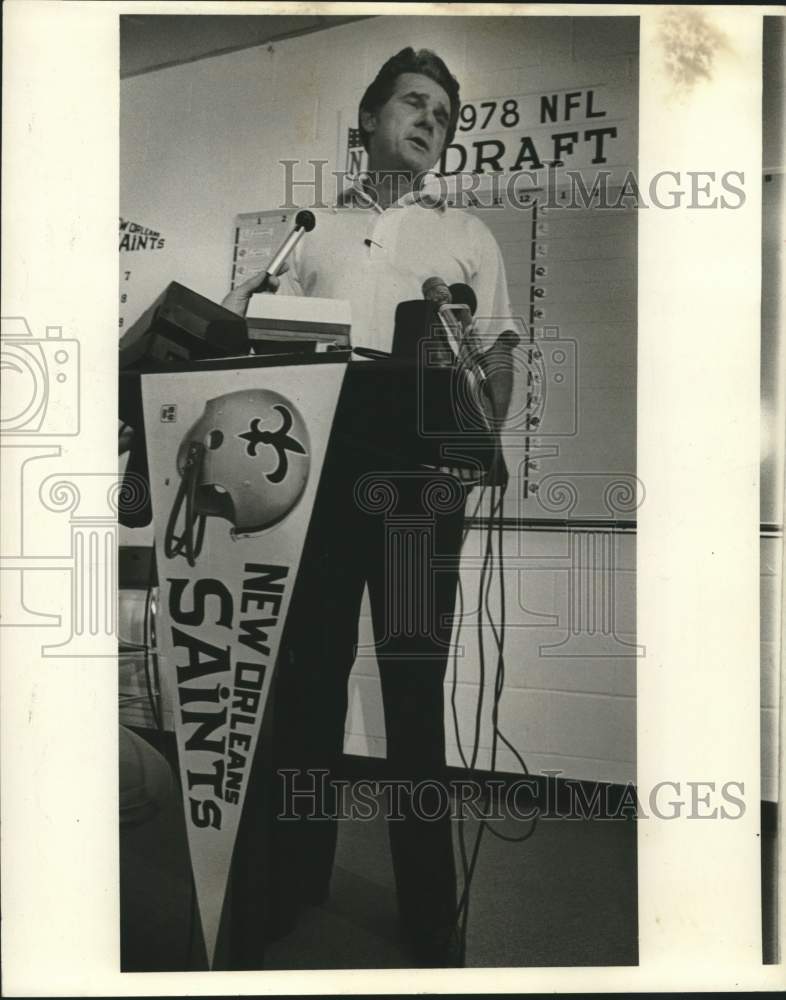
x,y
257,236
144,256
580,127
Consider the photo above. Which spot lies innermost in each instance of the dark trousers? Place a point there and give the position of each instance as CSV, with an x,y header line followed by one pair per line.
x,y
399,532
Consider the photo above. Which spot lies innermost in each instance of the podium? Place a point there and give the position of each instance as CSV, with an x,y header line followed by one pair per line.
x,y
224,603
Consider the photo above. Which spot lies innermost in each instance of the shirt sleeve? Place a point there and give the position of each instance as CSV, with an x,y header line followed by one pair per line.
x,y
489,282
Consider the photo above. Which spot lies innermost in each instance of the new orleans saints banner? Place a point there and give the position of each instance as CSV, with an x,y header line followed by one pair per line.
x,y
235,459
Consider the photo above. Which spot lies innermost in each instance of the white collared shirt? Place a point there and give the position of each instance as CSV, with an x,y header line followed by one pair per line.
x,y
377,259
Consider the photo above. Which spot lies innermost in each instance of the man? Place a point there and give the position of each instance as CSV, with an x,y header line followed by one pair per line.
x,y
376,249
381,257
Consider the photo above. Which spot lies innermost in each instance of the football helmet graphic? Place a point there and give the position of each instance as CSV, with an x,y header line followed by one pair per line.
x,y
245,460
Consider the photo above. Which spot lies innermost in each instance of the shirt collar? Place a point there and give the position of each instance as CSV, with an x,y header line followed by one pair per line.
x,y
433,195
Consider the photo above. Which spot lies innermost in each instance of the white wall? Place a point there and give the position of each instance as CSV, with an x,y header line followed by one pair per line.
x,y
575,713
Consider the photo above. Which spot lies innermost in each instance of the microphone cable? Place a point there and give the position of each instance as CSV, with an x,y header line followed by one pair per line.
x,y
469,864
458,931
459,621
151,644
494,532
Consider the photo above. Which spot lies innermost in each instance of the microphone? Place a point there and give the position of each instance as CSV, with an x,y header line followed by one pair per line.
x,y
468,353
436,290
464,298
456,304
304,223
463,295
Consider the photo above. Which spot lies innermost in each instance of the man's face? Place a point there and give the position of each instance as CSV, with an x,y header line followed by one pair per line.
x,y
409,131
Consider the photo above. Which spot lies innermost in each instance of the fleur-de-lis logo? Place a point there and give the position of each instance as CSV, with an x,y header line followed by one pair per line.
x,y
279,439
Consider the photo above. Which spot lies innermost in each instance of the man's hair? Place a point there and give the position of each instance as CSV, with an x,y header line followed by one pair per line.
x,y
426,63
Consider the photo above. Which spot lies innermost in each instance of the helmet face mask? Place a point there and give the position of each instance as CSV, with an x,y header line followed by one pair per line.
x,y
214,501
246,461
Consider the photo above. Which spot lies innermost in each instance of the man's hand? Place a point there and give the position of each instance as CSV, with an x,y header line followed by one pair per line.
x,y
237,300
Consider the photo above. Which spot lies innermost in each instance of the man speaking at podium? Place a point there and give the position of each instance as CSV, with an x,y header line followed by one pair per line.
x,y
377,258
